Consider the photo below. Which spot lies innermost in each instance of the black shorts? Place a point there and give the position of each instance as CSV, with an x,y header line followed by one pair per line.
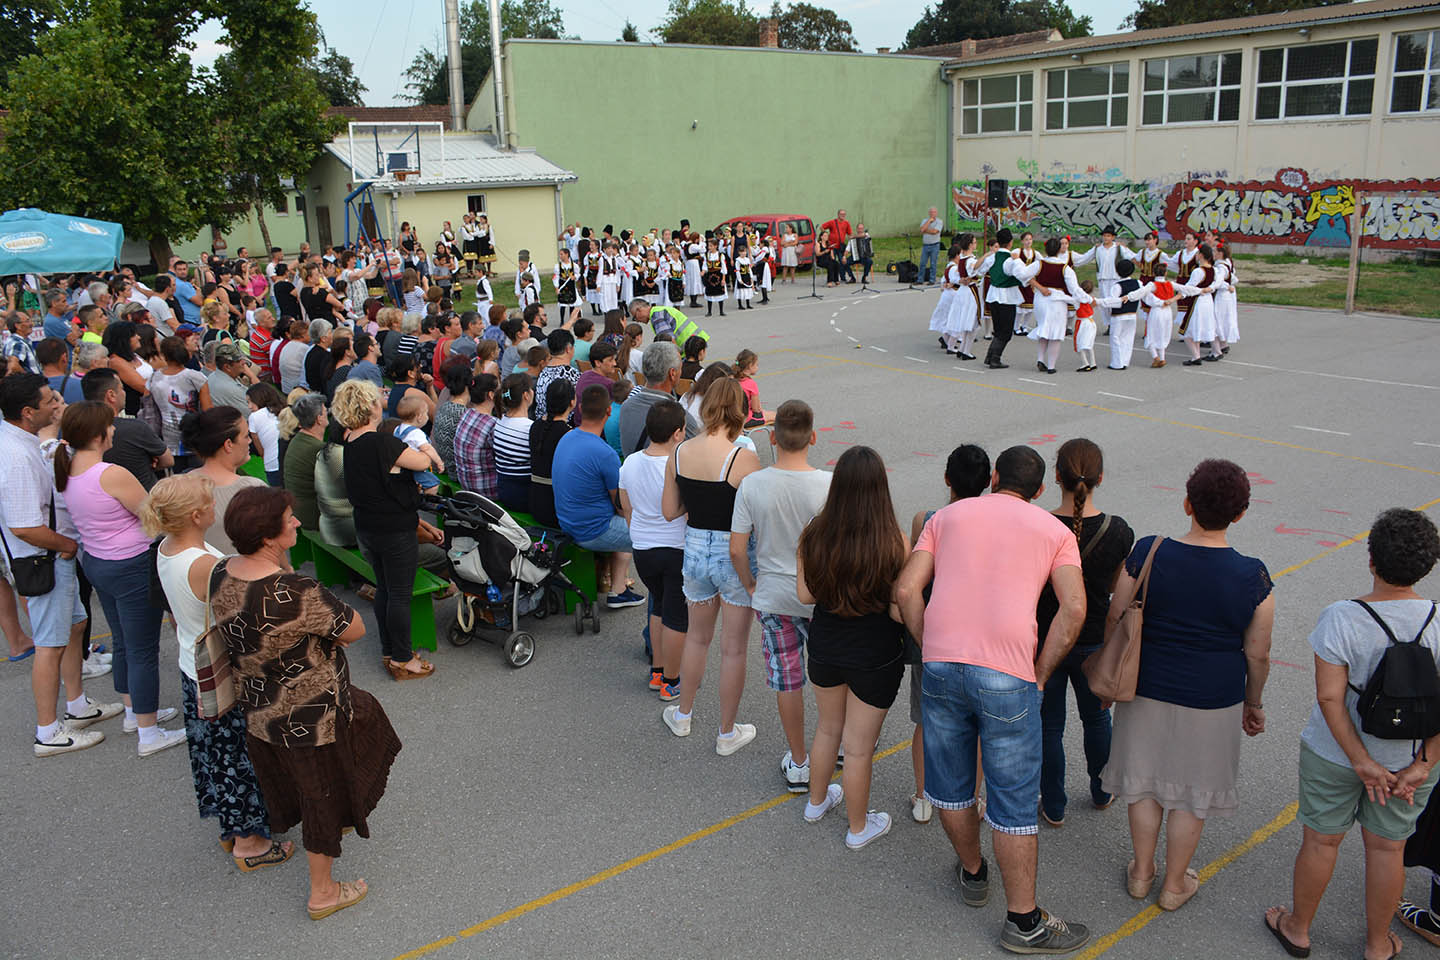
x,y
875,687
659,569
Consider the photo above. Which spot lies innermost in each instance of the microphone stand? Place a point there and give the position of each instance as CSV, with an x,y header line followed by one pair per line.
x,y
812,295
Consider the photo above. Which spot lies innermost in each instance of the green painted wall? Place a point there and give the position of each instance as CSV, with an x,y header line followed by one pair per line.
x,y
775,131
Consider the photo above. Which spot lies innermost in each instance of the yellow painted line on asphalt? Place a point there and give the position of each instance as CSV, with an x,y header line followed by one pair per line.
x,y
1086,405
595,879
1142,919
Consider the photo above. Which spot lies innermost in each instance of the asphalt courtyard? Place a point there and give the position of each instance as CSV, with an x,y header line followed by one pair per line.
x,y
547,812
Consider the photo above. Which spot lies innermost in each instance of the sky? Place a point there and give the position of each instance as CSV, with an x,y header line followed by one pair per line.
x,y
382,36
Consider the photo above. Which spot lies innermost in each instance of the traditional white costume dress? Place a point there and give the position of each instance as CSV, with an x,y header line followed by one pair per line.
x,y
694,286
608,282
1227,312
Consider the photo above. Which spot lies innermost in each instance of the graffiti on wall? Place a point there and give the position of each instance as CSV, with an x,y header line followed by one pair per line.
x,y
1291,208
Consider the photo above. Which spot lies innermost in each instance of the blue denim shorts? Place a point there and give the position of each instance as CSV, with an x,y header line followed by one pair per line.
x,y
965,707
52,614
707,570
615,538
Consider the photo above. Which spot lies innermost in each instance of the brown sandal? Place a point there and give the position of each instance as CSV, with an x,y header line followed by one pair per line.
x,y
1137,888
278,853
350,894
400,672
1174,901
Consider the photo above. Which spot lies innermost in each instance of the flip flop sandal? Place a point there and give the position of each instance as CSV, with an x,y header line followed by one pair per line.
x,y
1290,948
21,656
1395,941
350,894
278,853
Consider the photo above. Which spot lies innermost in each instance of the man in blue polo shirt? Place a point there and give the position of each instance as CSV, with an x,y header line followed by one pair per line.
x,y
186,293
586,478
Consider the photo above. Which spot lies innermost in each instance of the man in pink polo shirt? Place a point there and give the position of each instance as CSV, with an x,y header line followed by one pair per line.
x,y
988,558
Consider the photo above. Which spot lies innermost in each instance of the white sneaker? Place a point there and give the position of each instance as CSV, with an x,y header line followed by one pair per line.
x,y
161,716
67,740
920,809
671,716
876,826
740,734
93,713
166,740
833,795
94,667
100,656
797,775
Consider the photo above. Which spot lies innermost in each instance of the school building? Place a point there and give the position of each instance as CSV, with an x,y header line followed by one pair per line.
x,y
1268,129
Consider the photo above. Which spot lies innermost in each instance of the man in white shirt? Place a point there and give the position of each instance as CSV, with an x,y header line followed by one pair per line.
x,y
35,524
1105,254
1008,274
930,229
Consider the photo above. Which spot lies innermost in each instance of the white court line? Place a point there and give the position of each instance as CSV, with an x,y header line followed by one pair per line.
x,y
969,370
881,349
1335,376
1043,383
838,330
1122,396
1222,376
916,359
1338,433
1217,413
1422,443
835,314
851,339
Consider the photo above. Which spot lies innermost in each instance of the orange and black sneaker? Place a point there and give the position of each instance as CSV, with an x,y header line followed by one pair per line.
x,y
657,678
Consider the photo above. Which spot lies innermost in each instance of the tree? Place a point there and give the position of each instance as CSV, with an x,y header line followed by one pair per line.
x,y
24,23
951,21
425,78
104,122
714,22
1149,14
335,75
629,34
806,27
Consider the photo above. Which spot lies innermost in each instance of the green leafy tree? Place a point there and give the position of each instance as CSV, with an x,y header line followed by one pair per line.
x,y
425,78
105,122
335,75
1149,14
629,34
23,23
951,21
807,27
714,22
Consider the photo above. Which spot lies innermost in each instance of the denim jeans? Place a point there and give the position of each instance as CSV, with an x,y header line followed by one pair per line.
x,y
395,557
1095,722
929,261
123,587
968,707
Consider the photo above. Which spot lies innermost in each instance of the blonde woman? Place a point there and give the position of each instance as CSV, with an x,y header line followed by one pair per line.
x,y
180,509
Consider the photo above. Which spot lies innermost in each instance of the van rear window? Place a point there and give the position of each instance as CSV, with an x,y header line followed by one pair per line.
x,y
802,227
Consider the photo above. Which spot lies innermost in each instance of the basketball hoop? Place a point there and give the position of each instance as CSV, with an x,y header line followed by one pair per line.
x,y
402,174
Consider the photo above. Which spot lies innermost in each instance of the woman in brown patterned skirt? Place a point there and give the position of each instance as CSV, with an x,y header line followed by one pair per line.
x,y
321,749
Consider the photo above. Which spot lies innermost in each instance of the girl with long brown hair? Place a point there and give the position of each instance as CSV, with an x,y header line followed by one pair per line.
x,y
849,558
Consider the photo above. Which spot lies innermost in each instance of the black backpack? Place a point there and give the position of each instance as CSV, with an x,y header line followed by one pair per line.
x,y
1401,700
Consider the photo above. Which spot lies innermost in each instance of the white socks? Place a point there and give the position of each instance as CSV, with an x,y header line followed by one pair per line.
x,y
129,715
151,733
77,706
46,732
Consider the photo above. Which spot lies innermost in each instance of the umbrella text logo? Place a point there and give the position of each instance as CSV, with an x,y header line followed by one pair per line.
x,y
24,242
90,228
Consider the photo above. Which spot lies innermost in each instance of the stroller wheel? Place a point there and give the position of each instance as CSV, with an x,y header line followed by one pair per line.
x,y
458,636
519,649
580,609
594,616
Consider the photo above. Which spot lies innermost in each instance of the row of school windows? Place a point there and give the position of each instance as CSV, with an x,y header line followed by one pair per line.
x,y
1309,80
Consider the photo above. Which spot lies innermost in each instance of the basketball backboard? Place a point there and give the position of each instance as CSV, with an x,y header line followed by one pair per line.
x,y
395,152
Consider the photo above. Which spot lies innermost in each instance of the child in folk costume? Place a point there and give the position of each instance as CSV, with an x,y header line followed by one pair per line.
x,y
744,277
1182,261
964,317
672,273
764,268
630,262
1227,312
1055,277
1122,315
1025,310
949,284
713,274
527,281
694,283
1085,330
1198,324
647,278
1159,297
564,279
1107,255
469,244
484,244
608,280
591,275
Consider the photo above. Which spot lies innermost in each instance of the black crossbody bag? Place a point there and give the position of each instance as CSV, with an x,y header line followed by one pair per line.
x,y
33,576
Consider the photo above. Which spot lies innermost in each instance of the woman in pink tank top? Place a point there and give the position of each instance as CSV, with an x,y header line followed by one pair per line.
x,y
104,501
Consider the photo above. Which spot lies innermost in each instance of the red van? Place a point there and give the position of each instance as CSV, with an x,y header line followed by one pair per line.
x,y
767,224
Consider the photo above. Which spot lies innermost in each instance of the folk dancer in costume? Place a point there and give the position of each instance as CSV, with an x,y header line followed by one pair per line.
x,y
608,280
694,284
1182,261
630,260
744,277
672,272
591,274
484,296
564,279
765,268
1085,330
1151,256
949,284
485,244
1198,326
984,289
1025,309
1122,316
527,281
1227,307
647,278
1159,297
964,316
1009,277
1106,255
1054,276
713,274
447,237
469,243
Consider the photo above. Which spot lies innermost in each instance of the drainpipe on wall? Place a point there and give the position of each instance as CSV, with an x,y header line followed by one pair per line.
x,y
559,213
949,82
497,71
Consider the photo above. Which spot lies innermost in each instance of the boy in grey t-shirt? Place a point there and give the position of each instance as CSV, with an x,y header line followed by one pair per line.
x,y
775,504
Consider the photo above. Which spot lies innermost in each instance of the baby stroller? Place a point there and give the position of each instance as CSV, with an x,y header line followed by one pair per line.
x,y
502,571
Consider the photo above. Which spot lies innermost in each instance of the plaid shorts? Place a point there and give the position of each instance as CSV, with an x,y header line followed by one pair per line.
x,y
783,639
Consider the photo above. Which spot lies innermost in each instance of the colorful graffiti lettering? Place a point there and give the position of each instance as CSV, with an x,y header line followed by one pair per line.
x,y
1080,207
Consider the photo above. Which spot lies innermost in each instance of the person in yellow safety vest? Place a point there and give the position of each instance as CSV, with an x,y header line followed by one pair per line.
x,y
665,320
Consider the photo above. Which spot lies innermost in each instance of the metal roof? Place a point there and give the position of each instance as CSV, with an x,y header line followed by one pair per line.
x,y
1312,16
470,159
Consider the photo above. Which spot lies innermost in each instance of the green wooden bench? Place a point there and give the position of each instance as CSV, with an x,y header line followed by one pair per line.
x,y
581,566
255,467
332,562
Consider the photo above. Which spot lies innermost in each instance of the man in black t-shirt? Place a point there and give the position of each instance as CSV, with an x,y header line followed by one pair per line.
x,y
285,298
136,447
